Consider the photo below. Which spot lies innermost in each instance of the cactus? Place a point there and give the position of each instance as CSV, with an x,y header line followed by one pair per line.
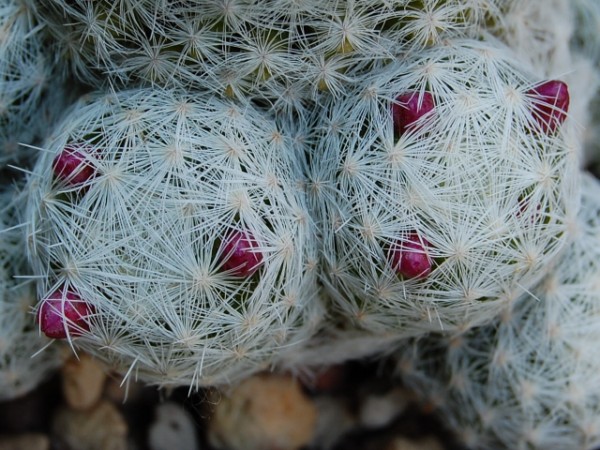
x,y
586,41
28,82
530,380
538,34
419,24
585,38
22,366
231,46
478,186
560,39
245,48
179,249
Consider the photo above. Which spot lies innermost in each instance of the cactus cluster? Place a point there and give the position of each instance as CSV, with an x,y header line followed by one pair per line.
x,y
256,184
531,379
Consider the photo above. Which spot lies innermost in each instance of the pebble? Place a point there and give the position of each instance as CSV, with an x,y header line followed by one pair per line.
x,y
82,382
402,443
377,411
173,428
264,412
26,441
100,428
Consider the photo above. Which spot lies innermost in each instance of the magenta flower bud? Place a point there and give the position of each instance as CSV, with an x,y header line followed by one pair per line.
x,y
550,101
535,216
409,108
239,254
409,257
63,314
72,165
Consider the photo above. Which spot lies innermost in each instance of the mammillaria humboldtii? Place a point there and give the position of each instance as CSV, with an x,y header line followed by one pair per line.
x,y
140,253
479,185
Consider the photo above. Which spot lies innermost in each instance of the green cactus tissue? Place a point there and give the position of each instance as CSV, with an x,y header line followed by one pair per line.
x,y
443,188
170,238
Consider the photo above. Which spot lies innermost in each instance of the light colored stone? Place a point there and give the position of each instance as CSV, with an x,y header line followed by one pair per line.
x,y
264,412
173,428
27,441
402,443
377,411
100,428
82,382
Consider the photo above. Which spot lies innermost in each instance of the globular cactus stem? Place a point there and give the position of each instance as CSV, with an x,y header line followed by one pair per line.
x,y
443,186
170,238
249,48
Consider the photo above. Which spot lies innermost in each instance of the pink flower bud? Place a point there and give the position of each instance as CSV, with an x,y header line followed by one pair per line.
x,y
534,216
239,254
63,314
550,101
72,165
409,257
409,108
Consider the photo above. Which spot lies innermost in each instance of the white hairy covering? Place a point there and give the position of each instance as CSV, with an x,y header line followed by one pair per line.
x,y
22,366
492,195
248,47
531,380
141,242
27,77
